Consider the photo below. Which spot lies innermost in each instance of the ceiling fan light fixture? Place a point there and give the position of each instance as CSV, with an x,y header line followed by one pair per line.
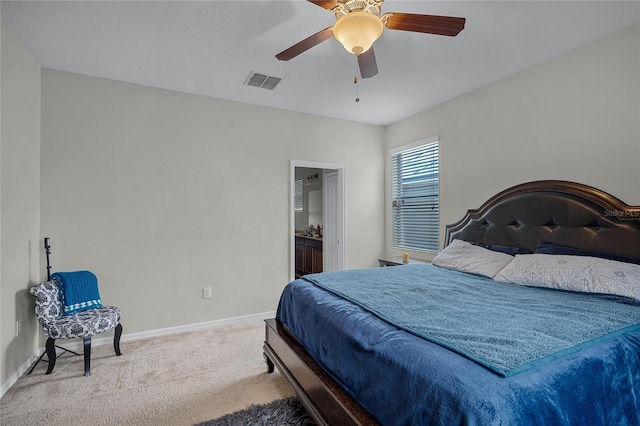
x,y
357,31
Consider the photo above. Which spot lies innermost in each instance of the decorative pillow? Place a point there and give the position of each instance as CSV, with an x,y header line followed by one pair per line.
x,y
78,290
575,273
466,257
546,247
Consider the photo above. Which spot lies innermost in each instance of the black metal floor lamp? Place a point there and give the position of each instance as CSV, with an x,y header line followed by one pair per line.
x,y
47,249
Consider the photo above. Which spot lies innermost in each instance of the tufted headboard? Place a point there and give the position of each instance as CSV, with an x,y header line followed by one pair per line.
x,y
561,212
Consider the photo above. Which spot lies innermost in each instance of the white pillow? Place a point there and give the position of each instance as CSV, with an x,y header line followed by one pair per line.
x,y
466,257
575,273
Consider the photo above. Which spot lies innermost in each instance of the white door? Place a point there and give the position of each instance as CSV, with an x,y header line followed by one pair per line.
x,y
332,239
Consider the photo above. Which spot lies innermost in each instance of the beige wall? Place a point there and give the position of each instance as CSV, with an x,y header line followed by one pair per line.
x,y
575,117
163,193
19,203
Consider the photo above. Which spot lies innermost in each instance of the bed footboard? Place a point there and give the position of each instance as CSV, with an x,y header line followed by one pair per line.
x,y
324,399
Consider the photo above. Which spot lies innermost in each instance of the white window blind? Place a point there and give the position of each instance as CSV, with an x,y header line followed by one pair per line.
x,y
416,197
298,196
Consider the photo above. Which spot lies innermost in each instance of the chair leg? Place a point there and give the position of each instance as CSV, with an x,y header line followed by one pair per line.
x,y
87,355
35,364
116,339
51,354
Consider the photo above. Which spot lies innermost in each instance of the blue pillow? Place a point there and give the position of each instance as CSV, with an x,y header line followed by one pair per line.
x,y
503,249
546,247
78,291
509,250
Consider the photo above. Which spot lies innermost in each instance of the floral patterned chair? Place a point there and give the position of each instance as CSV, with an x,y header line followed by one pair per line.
x,y
56,325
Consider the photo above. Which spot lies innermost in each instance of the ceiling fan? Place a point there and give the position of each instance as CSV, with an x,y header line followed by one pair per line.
x,y
359,24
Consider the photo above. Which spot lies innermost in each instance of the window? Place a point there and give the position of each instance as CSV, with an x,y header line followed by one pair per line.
x,y
298,195
416,196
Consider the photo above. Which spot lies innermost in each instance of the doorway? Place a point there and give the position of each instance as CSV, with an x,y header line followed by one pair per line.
x,y
321,184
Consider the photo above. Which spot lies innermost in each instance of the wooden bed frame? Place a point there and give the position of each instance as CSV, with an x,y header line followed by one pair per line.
x,y
557,211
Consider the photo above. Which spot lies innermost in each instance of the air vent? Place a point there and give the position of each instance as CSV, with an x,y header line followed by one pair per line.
x,y
262,80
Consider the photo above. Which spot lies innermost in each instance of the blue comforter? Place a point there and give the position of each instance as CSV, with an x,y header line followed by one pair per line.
x,y
404,379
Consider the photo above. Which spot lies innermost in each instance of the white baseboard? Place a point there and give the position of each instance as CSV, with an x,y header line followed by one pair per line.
x,y
20,371
76,344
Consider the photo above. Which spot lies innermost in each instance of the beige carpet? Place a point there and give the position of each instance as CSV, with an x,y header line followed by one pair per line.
x,y
181,379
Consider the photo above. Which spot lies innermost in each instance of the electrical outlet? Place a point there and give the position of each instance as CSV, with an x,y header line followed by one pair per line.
x,y
206,293
18,327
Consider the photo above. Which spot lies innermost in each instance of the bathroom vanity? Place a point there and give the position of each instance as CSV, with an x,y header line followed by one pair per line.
x,y
308,254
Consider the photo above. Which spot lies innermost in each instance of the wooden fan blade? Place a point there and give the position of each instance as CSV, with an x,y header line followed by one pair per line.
x,y
327,4
430,24
305,44
367,63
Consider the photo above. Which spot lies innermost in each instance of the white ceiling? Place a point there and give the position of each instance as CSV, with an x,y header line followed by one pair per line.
x,y
210,47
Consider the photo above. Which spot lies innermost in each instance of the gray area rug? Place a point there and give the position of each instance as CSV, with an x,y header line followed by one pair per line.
x,y
287,411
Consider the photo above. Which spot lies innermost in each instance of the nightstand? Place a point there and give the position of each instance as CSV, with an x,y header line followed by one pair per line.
x,y
397,261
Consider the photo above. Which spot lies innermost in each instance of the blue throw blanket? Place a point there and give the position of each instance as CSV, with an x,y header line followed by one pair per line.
x,y
504,327
78,291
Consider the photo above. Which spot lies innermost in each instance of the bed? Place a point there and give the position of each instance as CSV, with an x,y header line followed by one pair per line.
x,y
351,346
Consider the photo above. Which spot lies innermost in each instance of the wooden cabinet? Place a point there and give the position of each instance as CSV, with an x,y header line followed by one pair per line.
x,y
308,255
299,257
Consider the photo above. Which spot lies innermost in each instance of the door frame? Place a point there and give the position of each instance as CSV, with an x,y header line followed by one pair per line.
x,y
292,220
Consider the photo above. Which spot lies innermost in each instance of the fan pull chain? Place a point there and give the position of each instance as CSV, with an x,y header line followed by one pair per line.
x,y
355,79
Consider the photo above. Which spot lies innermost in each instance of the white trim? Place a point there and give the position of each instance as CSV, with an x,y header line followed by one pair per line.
x,y
430,139
76,344
11,380
189,327
315,165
